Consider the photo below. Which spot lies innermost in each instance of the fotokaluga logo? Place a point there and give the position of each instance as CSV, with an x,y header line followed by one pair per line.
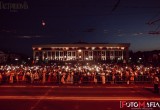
x,y
13,6
140,105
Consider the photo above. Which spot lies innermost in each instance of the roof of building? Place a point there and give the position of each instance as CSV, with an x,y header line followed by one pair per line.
x,y
83,44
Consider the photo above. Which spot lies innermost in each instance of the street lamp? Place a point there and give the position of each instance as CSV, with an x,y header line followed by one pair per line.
x,y
140,58
16,60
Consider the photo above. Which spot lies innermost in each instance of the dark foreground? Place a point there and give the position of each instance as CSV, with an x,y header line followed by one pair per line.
x,y
73,97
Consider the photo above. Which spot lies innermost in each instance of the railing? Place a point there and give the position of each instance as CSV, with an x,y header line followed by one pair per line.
x,y
77,79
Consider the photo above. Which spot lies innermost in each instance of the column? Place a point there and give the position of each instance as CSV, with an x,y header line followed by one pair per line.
x,y
51,56
67,55
34,53
92,54
100,52
71,55
59,55
122,54
63,55
42,55
113,54
104,56
55,55
47,55
84,55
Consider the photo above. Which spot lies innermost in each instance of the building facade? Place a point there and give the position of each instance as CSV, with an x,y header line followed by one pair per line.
x,y
81,52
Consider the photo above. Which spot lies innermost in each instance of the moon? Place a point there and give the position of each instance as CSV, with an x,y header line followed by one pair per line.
x,y
43,23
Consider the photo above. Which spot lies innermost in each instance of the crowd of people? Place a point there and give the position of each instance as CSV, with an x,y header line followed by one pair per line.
x,y
78,74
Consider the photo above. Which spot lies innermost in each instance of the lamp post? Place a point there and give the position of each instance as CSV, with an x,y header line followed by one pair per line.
x,y
16,60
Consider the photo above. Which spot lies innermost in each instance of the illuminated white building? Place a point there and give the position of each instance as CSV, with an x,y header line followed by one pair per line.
x,y
81,51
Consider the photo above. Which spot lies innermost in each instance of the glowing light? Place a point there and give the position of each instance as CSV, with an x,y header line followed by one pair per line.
x,y
117,47
52,48
87,47
93,48
16,59
79,50
122,48
119,58
100,47
39,48
43,23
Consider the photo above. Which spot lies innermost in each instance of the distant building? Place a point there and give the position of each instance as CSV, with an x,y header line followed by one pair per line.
x,y
81,52
9,57
3,57
145,57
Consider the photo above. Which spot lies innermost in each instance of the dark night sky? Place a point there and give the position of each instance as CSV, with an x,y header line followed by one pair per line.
x,y
67,21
